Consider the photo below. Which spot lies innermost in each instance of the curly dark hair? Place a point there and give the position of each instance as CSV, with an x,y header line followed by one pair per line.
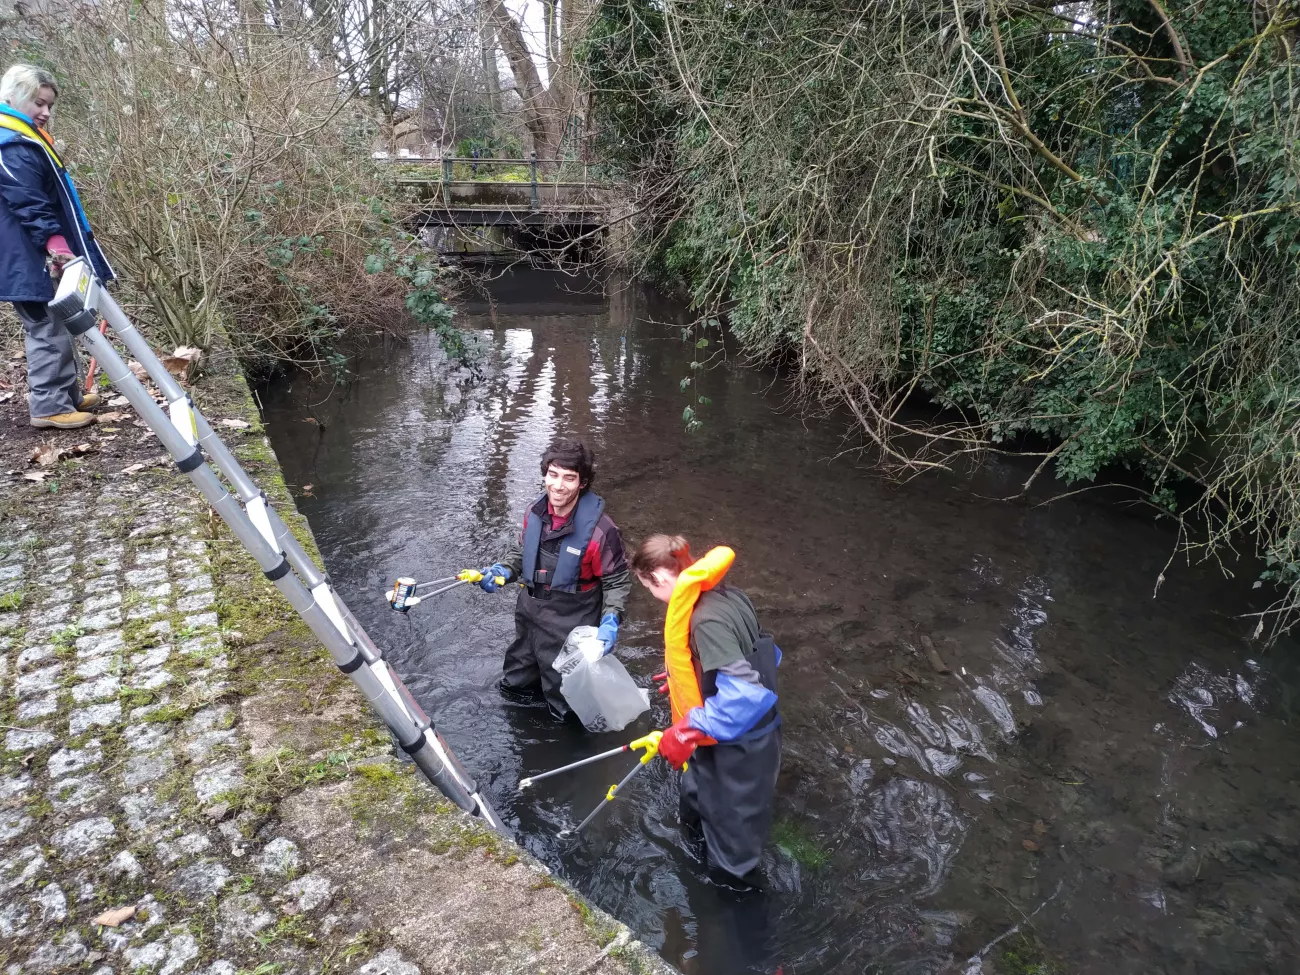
x,y
572,455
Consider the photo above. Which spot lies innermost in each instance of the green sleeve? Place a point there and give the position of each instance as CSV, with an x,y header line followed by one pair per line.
x,y
614,590
514,560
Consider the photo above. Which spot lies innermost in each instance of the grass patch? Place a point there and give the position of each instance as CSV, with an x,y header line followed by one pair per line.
x,y
11,601
1025,956
601,930
285,771
166,713
345,956
799,843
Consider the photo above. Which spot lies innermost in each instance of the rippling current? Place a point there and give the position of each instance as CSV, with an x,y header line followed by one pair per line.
x,y
1113,773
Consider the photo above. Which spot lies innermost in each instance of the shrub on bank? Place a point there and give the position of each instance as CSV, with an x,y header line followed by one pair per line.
x,y
227,171
1077,223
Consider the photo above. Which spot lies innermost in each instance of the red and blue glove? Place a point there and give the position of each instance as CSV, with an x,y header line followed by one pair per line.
x,y
679,742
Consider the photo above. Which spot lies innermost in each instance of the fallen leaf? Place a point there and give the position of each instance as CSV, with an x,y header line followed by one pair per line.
x,y
306,488
83,448
138,371
1040,827
146,435
311,419
1029,845
112,417
47,455
117,401
176,366
133,469
235,424
37,476
111,919
6,397
187,352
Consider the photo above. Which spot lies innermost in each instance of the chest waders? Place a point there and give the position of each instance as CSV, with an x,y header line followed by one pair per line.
x,y
199,453
551,602
727,793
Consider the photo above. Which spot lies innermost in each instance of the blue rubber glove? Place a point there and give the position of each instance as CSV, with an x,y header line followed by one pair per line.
x,y
608,631
489,583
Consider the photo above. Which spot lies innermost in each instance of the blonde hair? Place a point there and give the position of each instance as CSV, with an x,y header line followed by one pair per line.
x,y
669,552
22,82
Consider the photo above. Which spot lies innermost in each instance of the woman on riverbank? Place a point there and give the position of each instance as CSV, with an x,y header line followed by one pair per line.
x,y
721,680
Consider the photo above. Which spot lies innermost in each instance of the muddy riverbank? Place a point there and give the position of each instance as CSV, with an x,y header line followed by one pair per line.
x,y
1110,771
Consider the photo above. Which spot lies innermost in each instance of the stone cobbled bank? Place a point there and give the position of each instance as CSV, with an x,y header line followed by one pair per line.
x,y
94,801
138,833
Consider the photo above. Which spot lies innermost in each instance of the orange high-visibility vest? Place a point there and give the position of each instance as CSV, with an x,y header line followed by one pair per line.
x,y
683,682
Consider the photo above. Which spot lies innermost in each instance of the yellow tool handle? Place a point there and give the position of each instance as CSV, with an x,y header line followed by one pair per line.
x,y
650,743
473,575
609,796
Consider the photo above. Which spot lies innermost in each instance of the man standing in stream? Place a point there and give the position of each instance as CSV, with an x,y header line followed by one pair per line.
x,y
573,571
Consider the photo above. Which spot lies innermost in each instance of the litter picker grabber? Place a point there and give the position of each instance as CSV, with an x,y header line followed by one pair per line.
x,y
649,742
406,591
199,453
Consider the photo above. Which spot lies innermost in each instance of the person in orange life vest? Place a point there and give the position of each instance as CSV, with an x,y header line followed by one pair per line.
x,y
721,681
571,563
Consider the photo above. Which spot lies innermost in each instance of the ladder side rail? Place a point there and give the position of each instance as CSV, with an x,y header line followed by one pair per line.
x,y
220,455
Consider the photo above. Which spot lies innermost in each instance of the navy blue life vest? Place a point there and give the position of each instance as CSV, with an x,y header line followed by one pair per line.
x,y
563,575
17,127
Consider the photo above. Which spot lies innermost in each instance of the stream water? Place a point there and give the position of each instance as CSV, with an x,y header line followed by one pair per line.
x,y
1112,772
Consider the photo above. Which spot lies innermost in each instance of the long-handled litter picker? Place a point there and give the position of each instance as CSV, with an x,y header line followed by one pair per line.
x,y
651,745
406,591
200,453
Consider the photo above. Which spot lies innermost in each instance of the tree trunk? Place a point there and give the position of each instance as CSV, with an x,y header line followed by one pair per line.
x,y
546,108
491,77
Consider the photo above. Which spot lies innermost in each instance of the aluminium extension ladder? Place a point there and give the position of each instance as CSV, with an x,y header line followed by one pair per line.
x,y
79,305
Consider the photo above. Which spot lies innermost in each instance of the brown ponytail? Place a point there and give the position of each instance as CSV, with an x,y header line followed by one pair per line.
x,y
670,552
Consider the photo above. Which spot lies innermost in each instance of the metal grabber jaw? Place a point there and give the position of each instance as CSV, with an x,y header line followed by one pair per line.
x,y
649,744
406,591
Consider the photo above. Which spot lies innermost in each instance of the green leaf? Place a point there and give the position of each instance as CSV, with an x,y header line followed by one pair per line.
x,y
374,263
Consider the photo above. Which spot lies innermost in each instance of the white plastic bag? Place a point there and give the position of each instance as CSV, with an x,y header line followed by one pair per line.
x,y
598,687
